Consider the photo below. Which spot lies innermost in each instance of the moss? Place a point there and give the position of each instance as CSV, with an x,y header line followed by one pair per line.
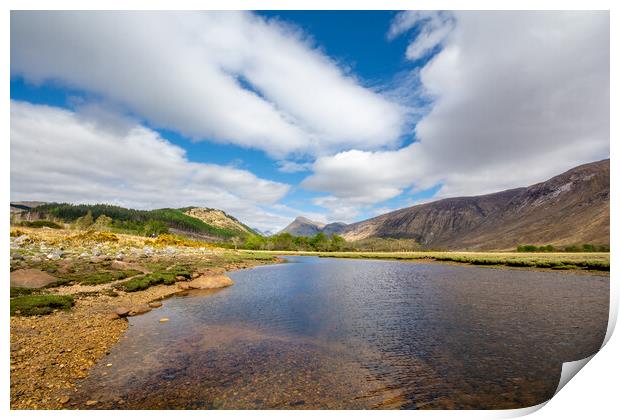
x,y
22,291
40,304
105,276
148,280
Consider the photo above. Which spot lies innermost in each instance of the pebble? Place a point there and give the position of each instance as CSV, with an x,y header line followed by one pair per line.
x,y
64,399
164,320
91,402
155,304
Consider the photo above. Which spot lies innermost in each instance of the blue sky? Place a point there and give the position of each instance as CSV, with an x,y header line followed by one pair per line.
x,y
336,115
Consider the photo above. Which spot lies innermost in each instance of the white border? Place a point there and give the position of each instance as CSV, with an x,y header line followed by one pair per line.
x,y
593,394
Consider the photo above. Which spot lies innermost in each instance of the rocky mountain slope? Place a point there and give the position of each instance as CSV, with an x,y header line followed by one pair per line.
x,y
196,222
571,208
218,218
303,226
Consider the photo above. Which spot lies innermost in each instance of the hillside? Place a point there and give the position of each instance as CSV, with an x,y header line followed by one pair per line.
x,y
199,223
567,209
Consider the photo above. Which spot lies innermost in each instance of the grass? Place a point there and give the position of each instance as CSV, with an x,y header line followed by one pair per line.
x,y
22,291
106,276
40,304
595,261
152,279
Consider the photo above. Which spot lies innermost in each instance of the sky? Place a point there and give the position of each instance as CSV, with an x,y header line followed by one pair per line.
x,y
333,115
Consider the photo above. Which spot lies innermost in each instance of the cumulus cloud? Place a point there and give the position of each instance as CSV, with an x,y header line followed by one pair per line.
x,y
61,155
518,97
222,76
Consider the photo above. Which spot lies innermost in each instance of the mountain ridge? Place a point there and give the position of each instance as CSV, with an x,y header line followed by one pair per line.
x,y
569,208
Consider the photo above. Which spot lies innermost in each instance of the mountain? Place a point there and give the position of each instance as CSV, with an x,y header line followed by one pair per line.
x,y
219,219
571,208
196,222
302,226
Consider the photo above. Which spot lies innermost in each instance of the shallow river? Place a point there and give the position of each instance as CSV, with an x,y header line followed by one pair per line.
x,y
335,333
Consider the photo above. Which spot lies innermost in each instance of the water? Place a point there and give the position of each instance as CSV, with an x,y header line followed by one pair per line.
x,y
334,333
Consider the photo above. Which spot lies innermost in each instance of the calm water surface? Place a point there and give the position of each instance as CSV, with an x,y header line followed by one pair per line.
x,y
335,333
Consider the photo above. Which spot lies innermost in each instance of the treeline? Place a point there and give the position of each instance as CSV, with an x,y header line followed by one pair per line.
x,y
323,242
144,222
568,248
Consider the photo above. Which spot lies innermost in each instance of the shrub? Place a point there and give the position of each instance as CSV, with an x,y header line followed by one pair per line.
x,y
40,304
41,224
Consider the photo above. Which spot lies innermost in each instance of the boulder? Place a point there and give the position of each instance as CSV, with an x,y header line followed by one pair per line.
x,y
139,310
210,282
112,316
125,265
121,311
31,277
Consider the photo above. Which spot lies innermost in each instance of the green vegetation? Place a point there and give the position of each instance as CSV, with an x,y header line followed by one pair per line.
x,y
39,304
142,222
106,276
41,224
22,291
162,277
569,248
554,261
323,243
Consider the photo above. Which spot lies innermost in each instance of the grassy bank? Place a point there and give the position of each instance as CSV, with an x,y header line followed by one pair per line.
x,y
594,261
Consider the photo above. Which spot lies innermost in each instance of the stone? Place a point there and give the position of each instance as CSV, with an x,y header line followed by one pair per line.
x,y
91,402
55,255
180,278
211,282
148,251
21,240
125,265
164,320
155,304
170,250
64,399
112,316
84,255
122,311
139,310
96,252
17,256
31,277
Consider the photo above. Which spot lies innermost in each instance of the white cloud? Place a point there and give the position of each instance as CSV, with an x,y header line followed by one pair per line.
x,y
60,155
434,27
222,76
518,97
289,166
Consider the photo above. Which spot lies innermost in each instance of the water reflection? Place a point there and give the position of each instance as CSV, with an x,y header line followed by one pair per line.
x,y
325,333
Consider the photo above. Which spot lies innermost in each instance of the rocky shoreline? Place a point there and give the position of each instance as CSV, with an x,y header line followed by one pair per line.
x,y
51,354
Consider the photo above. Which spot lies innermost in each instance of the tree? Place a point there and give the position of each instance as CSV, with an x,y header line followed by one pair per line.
x,y
337,243
85,221
154,228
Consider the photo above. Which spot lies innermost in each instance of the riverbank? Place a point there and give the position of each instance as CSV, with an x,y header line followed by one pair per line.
x,y
586,262
52,353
